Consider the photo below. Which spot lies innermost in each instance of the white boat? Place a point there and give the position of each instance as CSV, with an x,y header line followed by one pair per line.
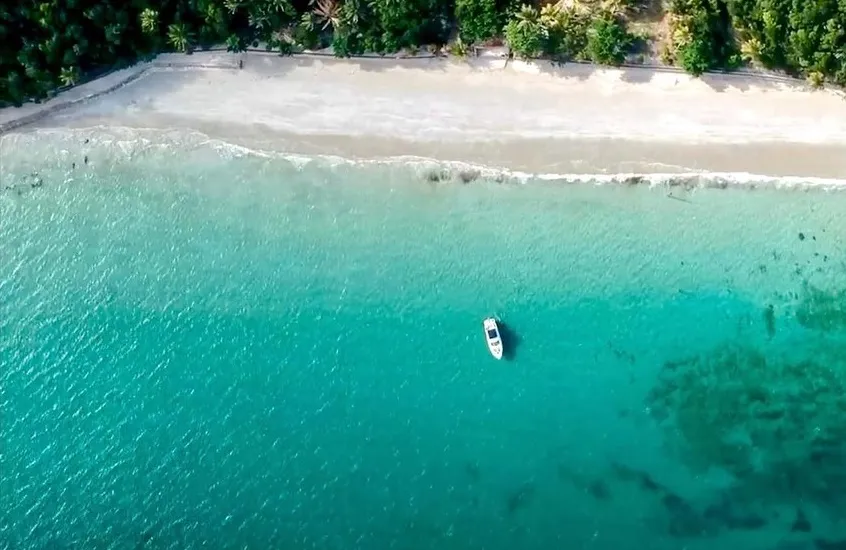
x,y
493,337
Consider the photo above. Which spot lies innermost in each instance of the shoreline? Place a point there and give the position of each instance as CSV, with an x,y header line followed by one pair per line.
x,y
121,144
571,160
517,116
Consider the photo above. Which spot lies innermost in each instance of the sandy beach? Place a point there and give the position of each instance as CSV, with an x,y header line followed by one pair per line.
x,y
522,116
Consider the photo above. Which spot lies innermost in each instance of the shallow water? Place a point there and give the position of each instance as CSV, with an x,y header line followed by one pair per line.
x,y
206,347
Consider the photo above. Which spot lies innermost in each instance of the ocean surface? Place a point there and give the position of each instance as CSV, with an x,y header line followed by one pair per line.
x,y
206,347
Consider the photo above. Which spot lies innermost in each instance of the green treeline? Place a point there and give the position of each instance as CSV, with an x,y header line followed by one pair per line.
x,y
52,43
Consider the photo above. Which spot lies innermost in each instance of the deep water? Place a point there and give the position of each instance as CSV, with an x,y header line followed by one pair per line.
x,y
201,348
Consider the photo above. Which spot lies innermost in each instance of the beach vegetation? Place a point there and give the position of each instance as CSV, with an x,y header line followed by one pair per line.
x,y
383,26
701,37
750,50
802,37
567,32
328,13
149,21
816,79
526,34
617,8
349,35
305,33
608,41
54,43
69,76
424,22
235,43
179,37
478,20
459,48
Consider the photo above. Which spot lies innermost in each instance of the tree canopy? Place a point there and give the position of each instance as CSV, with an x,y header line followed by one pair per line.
x,y
48,44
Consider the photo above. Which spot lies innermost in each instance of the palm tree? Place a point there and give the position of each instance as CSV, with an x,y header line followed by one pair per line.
x,y
280,6
45,18
329,12
179,37
307,21
69,76
529,19
232,5
283,39
234,43
550,15
617,8
528,16
526,33
149,21
751,49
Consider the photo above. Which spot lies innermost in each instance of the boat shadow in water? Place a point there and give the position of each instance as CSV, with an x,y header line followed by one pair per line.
x,y
510,340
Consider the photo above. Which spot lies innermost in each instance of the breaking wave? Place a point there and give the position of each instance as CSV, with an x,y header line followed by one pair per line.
x,y
23,152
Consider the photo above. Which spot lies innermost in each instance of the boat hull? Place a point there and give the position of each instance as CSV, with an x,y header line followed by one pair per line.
x,y
493,337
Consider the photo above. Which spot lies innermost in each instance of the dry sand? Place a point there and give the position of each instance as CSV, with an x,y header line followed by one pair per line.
x,y
526,116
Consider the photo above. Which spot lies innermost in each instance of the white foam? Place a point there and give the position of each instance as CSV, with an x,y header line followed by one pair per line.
x,y
131,141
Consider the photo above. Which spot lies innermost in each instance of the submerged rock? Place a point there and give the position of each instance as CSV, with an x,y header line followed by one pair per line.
x,y
822,310
468,176
644,479
729,515
598,489
519,498
684,520
769,320
778,426
436,175
801,524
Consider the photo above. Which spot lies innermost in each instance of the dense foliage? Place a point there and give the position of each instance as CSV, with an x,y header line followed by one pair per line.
x,y
608,41
478,20
45,44
701,37
807,36
526,33
569,34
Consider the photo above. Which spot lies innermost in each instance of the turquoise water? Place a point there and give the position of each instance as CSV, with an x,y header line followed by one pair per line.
x,y
205,348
